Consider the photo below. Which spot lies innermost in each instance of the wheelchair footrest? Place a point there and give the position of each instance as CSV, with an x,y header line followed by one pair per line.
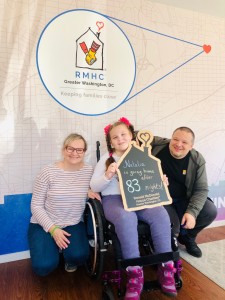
x,y
151,285
149,259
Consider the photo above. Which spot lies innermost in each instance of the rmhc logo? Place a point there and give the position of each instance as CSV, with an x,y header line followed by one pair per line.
x,y
91,64
89,75
90,57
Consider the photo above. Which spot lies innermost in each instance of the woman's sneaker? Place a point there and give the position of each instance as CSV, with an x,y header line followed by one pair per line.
x,y
70,268
166,278
135,282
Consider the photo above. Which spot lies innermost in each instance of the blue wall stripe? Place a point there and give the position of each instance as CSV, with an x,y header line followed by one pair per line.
x,y
14,220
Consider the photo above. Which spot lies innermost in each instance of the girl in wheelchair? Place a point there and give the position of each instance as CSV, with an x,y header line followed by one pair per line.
x,y
105,180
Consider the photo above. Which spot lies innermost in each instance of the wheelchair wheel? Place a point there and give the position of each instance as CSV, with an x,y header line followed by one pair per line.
x,y
93,218
107,293
179,283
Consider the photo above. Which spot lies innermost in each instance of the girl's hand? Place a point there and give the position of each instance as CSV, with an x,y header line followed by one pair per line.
x,y
111,171
165,179
93,195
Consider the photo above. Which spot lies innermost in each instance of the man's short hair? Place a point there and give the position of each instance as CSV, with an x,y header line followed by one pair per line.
x,y
187,129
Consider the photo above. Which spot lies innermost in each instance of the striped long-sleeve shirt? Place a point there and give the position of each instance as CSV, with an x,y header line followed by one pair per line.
x,y
59,196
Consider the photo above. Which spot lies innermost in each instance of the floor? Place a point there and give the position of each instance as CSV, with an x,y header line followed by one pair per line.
x,y
17,281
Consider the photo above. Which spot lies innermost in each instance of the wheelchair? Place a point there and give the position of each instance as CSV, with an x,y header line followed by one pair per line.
x,y
102,238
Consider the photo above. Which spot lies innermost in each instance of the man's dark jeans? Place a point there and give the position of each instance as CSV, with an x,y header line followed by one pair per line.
x,y
177,209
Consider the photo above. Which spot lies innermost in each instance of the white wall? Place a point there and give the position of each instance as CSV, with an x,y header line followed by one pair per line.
x,y
33,124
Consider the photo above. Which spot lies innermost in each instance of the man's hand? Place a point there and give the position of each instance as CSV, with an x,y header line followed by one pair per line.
x,y
188,221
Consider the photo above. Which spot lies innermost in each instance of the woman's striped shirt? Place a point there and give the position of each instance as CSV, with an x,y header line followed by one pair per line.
x,y
59,196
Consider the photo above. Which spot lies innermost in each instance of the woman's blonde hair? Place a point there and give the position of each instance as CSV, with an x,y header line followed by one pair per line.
x,y
74,136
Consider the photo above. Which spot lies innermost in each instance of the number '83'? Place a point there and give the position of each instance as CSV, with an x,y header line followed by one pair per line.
x,y
133,186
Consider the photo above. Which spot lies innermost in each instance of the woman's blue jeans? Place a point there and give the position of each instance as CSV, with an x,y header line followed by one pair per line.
x,y
45,253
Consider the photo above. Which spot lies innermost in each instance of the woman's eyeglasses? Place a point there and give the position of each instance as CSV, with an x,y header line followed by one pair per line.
x,y
70,150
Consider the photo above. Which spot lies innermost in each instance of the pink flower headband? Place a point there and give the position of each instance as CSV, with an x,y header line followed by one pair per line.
x,y
122,120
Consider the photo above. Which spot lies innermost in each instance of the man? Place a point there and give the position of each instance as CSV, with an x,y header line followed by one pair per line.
x,y
191,210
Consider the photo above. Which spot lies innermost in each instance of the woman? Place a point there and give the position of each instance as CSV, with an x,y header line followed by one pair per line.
x,y
57,206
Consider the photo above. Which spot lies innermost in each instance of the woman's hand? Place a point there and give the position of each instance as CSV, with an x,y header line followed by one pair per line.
x,y
111,171
93,195
60,237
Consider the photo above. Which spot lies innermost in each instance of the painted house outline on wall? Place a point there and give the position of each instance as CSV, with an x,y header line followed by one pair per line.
x,y
91,41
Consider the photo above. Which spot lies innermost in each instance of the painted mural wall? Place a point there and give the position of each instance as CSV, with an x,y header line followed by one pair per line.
x,y
163,67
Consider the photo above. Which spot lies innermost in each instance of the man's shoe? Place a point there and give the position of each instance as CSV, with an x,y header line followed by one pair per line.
x,y
191,246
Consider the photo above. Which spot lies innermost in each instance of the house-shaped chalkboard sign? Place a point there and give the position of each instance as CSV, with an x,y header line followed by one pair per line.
x,y
140,176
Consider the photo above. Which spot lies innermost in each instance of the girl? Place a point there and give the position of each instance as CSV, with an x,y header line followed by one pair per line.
x,y
105,180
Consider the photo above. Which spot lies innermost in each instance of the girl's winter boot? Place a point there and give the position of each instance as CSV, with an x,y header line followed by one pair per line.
x,y
166,278
135,282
